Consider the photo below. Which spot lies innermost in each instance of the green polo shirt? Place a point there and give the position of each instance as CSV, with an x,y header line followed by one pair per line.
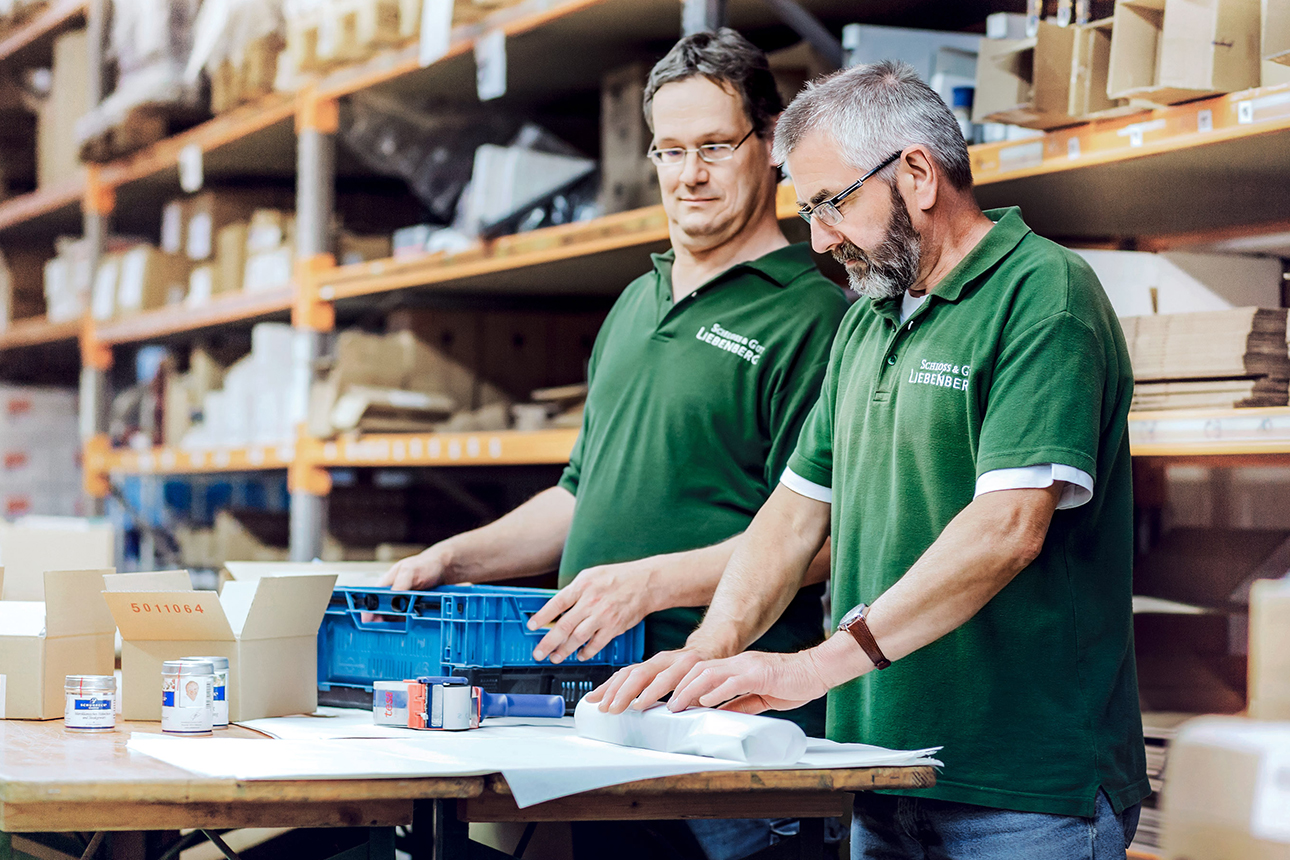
x,y
692,412
1015,359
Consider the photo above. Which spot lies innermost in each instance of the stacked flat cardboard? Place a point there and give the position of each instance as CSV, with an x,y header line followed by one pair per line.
x,y
1216,359
1159,728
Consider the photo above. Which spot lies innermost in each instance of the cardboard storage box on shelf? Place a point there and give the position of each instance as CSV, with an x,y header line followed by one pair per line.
x,y
1169,51
627,178
211,211
1091,65
270,250
1226,793
57,152
67,631
68,278
150,279
22,285
268,630
1276,31
1270,650
1026,82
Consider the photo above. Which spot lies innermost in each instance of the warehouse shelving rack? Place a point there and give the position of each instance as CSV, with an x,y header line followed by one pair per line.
x,y
1069,182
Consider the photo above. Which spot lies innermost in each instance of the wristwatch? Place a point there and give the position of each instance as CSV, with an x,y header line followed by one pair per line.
x,y
853,622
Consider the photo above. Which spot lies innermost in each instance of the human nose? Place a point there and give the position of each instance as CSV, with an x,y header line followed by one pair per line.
x,y
823,237
694,170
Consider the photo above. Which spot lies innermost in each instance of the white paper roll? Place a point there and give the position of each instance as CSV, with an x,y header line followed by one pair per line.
x,y
756,740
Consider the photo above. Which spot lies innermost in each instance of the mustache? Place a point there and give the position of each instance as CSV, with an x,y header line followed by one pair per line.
x,y
849,253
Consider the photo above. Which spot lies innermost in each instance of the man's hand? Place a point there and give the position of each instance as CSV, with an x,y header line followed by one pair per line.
x,y
419,572
599,604
645,683
751,682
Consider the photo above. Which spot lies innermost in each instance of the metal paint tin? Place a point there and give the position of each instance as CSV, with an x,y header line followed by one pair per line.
x,y
220,693
187,697
90,703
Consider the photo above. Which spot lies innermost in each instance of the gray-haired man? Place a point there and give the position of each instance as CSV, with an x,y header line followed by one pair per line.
x,y
969,453
700,380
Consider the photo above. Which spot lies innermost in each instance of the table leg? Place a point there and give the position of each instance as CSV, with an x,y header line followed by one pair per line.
x,y
810,839
438,834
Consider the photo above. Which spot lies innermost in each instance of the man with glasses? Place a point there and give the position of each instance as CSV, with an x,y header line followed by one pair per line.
x,y
700,380
969,453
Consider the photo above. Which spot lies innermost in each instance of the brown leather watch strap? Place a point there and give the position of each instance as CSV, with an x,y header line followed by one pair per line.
x,y
859,629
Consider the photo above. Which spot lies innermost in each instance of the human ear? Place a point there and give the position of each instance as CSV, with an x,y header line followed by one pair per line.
x,y
920,177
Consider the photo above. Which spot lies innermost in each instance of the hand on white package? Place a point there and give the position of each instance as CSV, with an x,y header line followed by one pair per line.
x,y
755,740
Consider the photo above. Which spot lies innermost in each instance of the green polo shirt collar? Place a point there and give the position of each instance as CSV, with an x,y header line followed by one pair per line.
x,y
780,267
1004,236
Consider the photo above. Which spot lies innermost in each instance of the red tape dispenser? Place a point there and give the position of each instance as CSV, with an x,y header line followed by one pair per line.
x,y
452,704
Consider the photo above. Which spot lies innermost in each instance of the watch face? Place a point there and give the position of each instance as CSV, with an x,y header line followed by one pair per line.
x,y
851,616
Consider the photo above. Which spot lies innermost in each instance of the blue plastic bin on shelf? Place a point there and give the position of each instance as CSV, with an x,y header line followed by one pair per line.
x,y
476,631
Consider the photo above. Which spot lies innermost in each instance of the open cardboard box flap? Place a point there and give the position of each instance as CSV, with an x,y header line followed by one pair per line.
x,y
70,605
281,606
359,573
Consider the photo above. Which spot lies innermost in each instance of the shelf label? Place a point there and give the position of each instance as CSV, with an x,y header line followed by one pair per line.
x,y
436,30
1204,120
495,448
1136,131
490,65
190,168
1023,155
1072,148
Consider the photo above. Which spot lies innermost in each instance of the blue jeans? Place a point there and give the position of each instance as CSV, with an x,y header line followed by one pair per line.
x,y
736,838
896,828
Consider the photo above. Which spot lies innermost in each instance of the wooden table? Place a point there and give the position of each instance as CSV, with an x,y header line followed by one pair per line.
x,y
52,780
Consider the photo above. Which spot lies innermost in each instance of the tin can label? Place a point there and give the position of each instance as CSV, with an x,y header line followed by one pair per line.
x,y
89,712
187,707
220,698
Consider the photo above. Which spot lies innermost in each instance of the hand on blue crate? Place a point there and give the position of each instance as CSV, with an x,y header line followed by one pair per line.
x,y
420,572
601,603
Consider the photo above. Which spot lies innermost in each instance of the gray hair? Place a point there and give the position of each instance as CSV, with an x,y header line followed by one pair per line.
x,y
727,59
872,111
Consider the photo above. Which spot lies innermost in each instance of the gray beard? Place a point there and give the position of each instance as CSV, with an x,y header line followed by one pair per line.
x,y
892,268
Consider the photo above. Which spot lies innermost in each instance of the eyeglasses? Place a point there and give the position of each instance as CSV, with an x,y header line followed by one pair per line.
x,y
827,212
673,156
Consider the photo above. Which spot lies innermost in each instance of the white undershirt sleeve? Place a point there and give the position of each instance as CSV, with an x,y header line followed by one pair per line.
x,y
1078,489
803,487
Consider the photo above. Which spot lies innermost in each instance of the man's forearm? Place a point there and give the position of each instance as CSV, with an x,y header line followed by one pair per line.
x,y
690,578
525,542
992,540
765,572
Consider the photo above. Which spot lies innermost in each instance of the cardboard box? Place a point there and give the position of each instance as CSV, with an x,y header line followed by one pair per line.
x,y
211,211
174,216
22,278
1091,65
150,279
28,549
1270,650
1026,82
230,257
1168,51
628,179
1226,792
268,630
1140,283
57,150
69,632
1276,31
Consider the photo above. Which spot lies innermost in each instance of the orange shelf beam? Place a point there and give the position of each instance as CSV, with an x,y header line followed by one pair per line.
x,y
55,16
174,461
1210,433
34,204
233,307
495,448
1152,132
38,331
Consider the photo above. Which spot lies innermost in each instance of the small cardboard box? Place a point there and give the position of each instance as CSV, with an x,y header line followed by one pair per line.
x,y
150,279
1026,82
42,642
1226,793
1270,650
1168,51
28,549
268,630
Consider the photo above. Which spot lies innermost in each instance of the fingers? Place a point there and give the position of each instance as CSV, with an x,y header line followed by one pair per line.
x,y
662,682
405,575
574,628
603,637
387,578
563,601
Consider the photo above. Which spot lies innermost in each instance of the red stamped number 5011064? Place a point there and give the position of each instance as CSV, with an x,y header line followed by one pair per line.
x,y
167,608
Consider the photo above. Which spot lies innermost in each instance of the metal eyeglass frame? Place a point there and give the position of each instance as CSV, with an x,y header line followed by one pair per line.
x,y
703,151
828,211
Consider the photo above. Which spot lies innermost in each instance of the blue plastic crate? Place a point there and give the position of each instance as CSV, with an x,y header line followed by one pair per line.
x,y
471,630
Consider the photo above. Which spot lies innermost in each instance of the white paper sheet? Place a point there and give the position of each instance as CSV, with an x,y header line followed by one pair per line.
x,y
540,762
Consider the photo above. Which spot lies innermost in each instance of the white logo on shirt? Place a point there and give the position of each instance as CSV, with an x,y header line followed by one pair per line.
x,y
941,374
723,338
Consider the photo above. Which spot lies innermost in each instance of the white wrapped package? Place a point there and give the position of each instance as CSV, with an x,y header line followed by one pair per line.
x,y
755,740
